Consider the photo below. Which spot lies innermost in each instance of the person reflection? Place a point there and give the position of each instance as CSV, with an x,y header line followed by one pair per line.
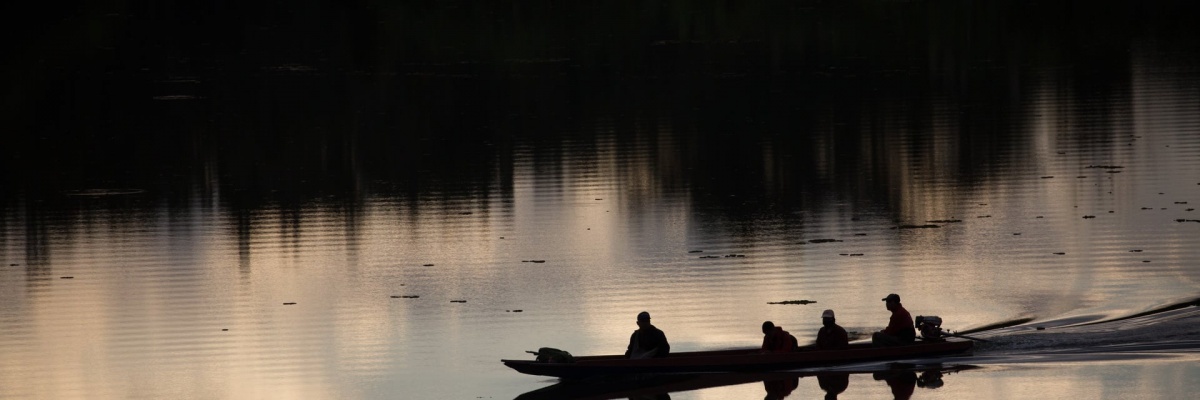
x,y
780,388
833,384
902,382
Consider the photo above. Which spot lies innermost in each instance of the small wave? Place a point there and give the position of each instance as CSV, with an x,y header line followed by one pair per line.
x,y
175,97
103,192
298,68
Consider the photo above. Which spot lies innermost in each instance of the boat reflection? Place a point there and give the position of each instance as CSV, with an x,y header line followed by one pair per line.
x,y
903,379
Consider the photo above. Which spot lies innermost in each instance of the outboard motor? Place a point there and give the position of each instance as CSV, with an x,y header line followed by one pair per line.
x,y
930,327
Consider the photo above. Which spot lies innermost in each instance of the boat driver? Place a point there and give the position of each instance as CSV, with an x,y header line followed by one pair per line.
x,y
900,330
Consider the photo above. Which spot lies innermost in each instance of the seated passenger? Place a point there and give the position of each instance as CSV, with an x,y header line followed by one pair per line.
x,y
777,340
647,341
831,336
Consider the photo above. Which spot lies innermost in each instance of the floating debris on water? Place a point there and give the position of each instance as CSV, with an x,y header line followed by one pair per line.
x,y
458,301
1081,176
1147,208
1187,220
1047,176
945,221
984,216
1105,166
14,265
1145,261
1190,209
695,251
67,277
1181,202
225,330
1040,216
289,304
710,256
800,302
405,297
426,265
823,240
735,256
513,310
860,234
534,261
1135,251
1089,216
465,213
1112,172
926,226
1060,253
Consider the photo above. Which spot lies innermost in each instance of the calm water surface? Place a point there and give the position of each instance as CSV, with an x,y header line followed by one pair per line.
x,y
292,227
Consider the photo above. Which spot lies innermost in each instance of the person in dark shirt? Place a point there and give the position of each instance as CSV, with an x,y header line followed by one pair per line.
x,y
647,341
900,328
831,336
777,340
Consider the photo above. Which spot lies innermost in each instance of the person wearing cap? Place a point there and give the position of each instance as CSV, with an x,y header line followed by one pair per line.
x,y
647,341
777,340
831,336
900,328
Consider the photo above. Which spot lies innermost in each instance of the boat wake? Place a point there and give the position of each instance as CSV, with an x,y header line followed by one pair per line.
x,y
1166,332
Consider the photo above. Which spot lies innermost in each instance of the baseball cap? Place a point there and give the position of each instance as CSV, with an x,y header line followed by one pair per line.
x,y
827,314
892,297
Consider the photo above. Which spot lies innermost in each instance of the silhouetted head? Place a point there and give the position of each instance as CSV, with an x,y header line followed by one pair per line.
x,y
892,300
827,318
643,319
768,326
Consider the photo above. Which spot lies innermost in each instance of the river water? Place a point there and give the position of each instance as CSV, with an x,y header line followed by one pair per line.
x,y
390,219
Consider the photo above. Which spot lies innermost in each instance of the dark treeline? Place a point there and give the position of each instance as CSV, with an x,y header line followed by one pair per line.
x,y
315,97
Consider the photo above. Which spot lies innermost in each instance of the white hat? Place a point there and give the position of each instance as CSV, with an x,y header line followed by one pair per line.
x,y
827,314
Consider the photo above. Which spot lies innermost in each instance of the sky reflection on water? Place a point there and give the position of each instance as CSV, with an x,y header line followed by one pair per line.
x,y
236,227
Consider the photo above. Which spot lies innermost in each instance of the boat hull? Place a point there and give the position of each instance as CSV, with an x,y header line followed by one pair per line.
x,y
745,360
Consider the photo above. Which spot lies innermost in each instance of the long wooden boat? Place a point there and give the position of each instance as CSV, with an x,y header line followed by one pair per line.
x,y
637,386
741,360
